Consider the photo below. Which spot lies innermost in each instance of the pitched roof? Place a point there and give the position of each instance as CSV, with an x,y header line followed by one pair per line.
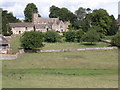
x,y
22,24
3,40
47,20
42,26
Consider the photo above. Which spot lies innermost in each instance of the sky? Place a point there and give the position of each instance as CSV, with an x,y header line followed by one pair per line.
x,y
17,6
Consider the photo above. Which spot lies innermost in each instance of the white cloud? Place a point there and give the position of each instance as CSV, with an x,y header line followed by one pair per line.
x,y
17,7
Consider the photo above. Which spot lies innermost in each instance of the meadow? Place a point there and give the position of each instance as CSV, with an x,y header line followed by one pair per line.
x,y
84,69
15,44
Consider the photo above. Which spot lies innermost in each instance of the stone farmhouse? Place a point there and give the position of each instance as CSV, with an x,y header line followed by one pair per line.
x,y
40,24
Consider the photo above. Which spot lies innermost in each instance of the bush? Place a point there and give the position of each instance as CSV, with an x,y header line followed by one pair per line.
x,y
70,36
52,37
79,35
116,40
101,35
91,36
31,40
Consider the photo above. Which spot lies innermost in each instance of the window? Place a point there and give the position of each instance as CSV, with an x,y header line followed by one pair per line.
x,y
26,28
19,32
61,27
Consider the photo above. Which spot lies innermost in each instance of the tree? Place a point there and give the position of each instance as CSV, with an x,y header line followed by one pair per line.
x,y
52,37
99,18
6,19
70,27
80,13
91,36
31,40
29,10
70,36
116,39
113,26
54,12
102,19
62,13
79,35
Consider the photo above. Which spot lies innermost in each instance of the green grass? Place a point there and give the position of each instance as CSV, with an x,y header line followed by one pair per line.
x,y
108,37
84,69
15,45
76,72
72,45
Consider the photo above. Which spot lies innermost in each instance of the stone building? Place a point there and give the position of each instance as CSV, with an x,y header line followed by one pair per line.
x,y
4,45
40,24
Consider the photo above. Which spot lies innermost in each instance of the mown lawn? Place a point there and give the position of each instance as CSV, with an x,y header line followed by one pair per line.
x,y
84,69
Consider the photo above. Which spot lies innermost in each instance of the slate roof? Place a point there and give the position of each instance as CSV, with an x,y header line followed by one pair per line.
x,y
22,24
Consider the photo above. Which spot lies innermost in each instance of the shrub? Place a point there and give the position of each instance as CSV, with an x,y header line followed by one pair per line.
x,y
101,35
116,40
79,34
91,36
31,40
52,37
70,36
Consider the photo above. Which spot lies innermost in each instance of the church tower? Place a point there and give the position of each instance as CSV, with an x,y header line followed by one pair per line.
x,y
35,18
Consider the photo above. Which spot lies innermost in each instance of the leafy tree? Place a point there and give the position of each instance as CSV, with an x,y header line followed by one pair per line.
x,y
70,27
88,10
113,26
31,40
80,13
70,36
91,36
6,19
62,13
29,10
102,19
99,18
79,35
54,12
116,39
52,37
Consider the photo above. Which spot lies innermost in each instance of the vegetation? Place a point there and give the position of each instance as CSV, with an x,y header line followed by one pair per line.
x,y
15,44
31,40
116,39
62,13
6,19
91,36
52,37
29,10
84,69
70,36
86,18
79,35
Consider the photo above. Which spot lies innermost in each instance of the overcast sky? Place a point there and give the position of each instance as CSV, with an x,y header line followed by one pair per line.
x,y
18,6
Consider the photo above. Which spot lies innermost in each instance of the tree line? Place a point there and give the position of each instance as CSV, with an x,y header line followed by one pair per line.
x,y
81,19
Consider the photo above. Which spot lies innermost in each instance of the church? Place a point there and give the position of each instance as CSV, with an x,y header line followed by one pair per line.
x,y
40,24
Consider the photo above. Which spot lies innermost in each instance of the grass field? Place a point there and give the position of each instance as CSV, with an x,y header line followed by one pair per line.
x,y
84,69
15,45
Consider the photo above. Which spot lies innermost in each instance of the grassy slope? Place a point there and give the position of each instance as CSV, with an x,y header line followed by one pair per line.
x,y
15,43
70,69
